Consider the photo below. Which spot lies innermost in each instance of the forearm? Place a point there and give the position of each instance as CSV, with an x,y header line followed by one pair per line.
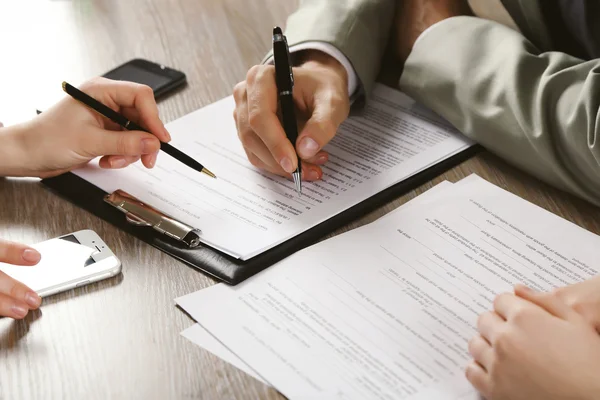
x,y
13,156
537,110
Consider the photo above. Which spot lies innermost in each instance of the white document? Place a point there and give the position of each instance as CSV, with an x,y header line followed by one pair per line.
x,y
247,211
201,337
386,311
54,252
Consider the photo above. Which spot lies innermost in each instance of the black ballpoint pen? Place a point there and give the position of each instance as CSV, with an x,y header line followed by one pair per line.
x,y
284,78
132,126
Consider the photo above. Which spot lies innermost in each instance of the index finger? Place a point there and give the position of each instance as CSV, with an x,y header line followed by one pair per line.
x,y
18,254
123,94
262,116
547,301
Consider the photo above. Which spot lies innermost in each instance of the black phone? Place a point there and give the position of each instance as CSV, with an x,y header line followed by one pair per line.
x,y
161,79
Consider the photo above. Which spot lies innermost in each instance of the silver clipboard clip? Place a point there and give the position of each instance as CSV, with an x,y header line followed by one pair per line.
x,y
141,214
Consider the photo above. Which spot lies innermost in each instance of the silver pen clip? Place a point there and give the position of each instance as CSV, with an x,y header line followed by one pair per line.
x,y
287,47
141,214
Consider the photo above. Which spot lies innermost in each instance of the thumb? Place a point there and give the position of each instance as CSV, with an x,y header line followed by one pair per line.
x,y
329,112
547,301
121,143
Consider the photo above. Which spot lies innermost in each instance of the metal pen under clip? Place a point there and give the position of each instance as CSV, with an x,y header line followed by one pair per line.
x,y
141,214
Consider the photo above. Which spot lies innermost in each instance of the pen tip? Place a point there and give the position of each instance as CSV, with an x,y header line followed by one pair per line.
x,y
277,31
207,172
297,183
64,86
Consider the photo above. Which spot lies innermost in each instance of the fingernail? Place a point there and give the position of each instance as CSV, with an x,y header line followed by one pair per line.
x,y
525,289
19,311
118,162
167,134
153,159
321,160
33,300
31,256
287,165
308,147
312,175
147,146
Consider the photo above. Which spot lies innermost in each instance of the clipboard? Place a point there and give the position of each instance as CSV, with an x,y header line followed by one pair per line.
x,y
213,262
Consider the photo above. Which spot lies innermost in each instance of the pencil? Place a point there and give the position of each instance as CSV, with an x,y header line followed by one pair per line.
x,y
132,126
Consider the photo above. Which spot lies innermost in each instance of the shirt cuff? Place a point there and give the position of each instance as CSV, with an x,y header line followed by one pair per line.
x,y
426,31
334,52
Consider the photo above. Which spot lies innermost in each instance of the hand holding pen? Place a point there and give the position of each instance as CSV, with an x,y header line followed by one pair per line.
x,y
68,135
128,124
322,104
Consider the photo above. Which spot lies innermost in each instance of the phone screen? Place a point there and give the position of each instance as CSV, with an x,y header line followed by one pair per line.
x,y
73,239
133,73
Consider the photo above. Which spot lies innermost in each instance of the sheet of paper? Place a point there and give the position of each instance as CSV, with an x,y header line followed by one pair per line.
x,y
59,257
247,211
386,311
201,337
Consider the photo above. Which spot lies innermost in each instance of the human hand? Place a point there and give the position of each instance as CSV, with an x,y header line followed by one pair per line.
x,y
583,297
534,346
413,18
16,299
322,104
69,134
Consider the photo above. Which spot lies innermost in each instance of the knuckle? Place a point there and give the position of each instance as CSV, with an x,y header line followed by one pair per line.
x,y
469,371
15,289
254,161
253,73
93,82
579,307
498,300
560,293
254,118
481,320
521,314
145,90
247,138
503,343
238,91
278,149
323,126
122,146
471,345
259,73
339,102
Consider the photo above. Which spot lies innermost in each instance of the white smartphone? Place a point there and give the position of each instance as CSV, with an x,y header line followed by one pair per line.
x,y
69,261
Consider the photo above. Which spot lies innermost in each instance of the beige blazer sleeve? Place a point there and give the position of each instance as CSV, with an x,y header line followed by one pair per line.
x,y
539,111
358,28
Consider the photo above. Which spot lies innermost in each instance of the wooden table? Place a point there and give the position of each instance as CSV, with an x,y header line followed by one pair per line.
x,y
120,338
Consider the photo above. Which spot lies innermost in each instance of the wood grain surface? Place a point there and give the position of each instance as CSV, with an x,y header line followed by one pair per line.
x,y
120,338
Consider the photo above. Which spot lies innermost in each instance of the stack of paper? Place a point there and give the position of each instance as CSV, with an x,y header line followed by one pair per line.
x,y
386,311
247,211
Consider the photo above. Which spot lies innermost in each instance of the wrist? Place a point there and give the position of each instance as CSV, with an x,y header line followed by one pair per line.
x,y
13,155
315,59
415,17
